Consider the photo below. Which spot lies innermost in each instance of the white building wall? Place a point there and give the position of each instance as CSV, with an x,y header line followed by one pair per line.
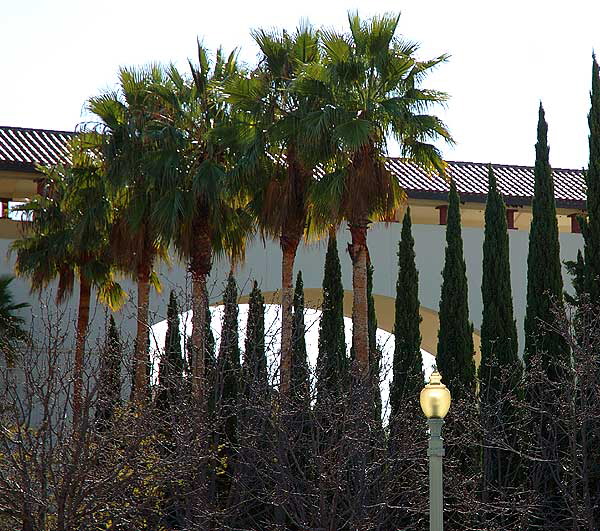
x,y
263,264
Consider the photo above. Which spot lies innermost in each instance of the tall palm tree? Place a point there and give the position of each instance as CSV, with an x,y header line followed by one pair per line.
x,y
368,82
68,239
278,161
198,208
124,115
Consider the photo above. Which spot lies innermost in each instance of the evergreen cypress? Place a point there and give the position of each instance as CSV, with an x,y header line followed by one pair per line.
x,y
255,360
455,350
591,229
332,363
499,348
544,279
576,269
253,415
407,379
374,350
500,370
228,362
300,382
298,422
455,361
109,384
210,344
587,277
544,293
170,367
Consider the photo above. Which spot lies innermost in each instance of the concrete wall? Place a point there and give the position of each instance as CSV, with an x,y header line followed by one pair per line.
x,y
263,264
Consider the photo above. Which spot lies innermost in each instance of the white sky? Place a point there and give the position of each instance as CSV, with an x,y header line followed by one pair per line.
x,y
506,57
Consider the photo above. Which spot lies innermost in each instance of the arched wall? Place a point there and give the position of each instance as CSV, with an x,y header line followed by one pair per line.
x,y
384,308
263,263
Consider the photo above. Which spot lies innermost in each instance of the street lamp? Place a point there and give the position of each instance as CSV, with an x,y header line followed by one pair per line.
x,y
435,403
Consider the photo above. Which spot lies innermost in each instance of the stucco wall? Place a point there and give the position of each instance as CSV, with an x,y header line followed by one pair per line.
x,y
263,263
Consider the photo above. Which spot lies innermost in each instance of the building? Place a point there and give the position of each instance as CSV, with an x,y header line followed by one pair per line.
x,y
22,149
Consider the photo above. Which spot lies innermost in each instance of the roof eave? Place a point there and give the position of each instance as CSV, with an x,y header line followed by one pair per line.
x,y
510,201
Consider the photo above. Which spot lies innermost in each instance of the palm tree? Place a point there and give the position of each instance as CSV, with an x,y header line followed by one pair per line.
x,y
11,325
122,135
368,83
197,209
277,162
68,239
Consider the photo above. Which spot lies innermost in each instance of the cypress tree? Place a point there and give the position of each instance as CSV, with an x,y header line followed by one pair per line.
x,y
298,421
587,278
374,351
455,338
544,279
544,291
499,348
591,229
227,395
299,390
170,367
210,344
576,269
455,361
332,362
253,415
500,369
407,379
255,360
228,362
109,384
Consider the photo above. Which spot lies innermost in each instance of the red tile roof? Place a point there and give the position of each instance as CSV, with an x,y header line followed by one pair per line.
x,y
22,149
514,182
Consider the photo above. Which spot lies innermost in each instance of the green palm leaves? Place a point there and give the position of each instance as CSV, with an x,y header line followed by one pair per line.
x,y
68,238
197,161
199,210
368,88
277,161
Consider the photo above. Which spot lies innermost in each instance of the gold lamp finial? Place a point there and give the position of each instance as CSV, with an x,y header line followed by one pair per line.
x,y
435,397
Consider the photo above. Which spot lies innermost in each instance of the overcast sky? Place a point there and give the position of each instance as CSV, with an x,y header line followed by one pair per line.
x,y
506,57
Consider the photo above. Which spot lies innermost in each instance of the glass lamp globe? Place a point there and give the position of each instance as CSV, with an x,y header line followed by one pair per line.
x,y
435,398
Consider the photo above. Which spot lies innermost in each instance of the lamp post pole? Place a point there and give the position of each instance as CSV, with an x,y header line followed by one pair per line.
x,y
435,402
436,493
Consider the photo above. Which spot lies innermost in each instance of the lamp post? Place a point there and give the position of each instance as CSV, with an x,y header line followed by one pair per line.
x,y
435,403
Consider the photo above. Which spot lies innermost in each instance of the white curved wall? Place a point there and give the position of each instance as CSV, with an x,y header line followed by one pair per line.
x,y
263,264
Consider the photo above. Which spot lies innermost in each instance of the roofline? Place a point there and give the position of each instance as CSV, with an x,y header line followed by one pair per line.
x,y
37,129
514,201
26,167
485,164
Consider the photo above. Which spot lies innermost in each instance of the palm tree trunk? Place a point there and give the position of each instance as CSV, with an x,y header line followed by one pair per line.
x,y
289,247
140,380
200,266
83,315
360,326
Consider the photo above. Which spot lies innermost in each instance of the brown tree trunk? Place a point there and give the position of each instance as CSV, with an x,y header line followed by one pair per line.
x,y
200,266
141,340
289,247
83,315
360,326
